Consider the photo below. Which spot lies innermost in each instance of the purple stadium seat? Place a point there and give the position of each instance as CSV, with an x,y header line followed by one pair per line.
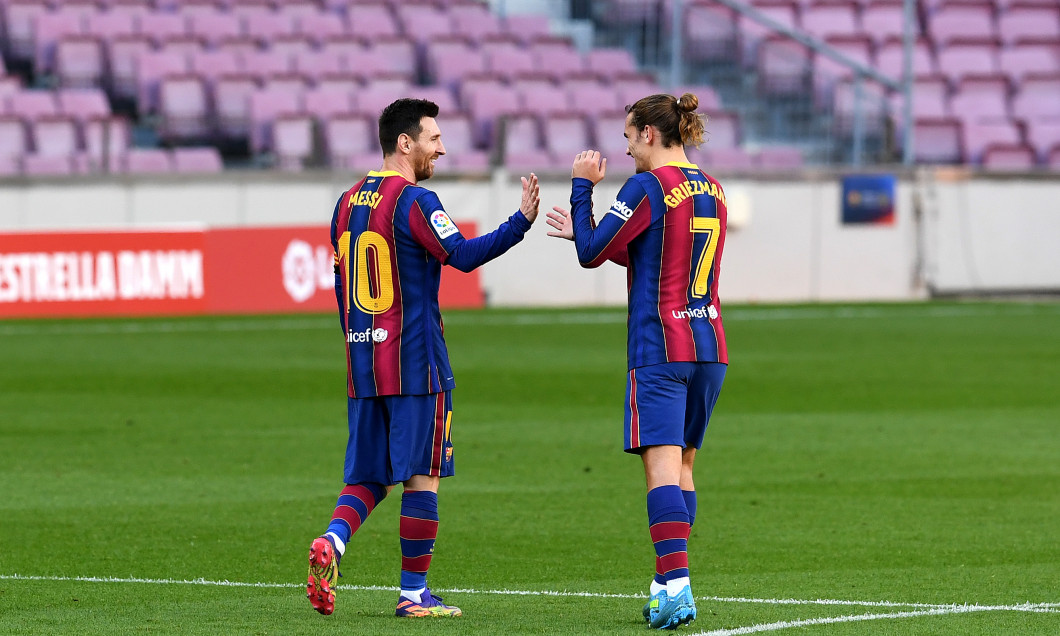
x,y
240,45
122,54
395,55
1029,22
295,83
324,102
873,107
447,62
709,100
83,103
440,95
557,58
19,16
606,131
883,20
565,136
711,158
722,130
266,62
752,33
373,18
298,8
108,25
475,21
1038,98
372,64
592,98
214,26
527,28
486,102
968,57
231,99
520,136
889,58
267,25
959,21
184,109
33,104
710,31
506,61
1008,157
630,89
292,141
1026,58
245,8
106,139
265,106
190,8
424,23
351,143
459,142
540,97
316,64
9,85
828,18
783,66
14,142
981,98
609,62
826,71
55,136
197,160
938,141
931,99
779,158
146,161
79,61
343,81
210,65
186,45
151,67
48,29
319,27
160,26
1044,137
977,136
292,45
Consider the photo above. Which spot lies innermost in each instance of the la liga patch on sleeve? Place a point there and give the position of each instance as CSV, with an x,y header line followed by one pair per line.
x,y
442,224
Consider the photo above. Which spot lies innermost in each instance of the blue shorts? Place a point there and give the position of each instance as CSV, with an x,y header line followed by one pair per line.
x,y
394,437
671,403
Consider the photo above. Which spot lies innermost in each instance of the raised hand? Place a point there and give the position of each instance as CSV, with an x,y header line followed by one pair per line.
x,y
560,219
531,197
589,164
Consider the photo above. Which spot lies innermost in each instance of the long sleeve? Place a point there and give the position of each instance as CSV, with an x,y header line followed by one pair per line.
x,y
628,216
469,254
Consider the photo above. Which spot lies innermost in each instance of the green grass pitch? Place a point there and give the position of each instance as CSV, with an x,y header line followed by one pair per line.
x,y
870,469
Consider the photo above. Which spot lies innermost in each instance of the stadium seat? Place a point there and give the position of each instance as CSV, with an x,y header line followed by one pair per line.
x,y
295,83
592,98
826,71
609,63
968,56
565,136
108,25
424,23
710,31
323,103
1029,22
105,140
1026,58
315,64
14,144
292,141
292,45
461,152
632,88
231,99
145,161
889,58
783,67
752,33
122,55
374,18
19,17
884,21
33,104
938,141
981,98
267,26
505,60
487,101
779,158
83,103
212,64
79,62
264,63
474,21
265,106
184,110
319,27
447,62
557,58
1038,98
197,160
978,136
959,21
48,29
722,130
829,18
1008,157
527,27
1043,136
520,138
351,143
540,97
395,55
160,26
716,158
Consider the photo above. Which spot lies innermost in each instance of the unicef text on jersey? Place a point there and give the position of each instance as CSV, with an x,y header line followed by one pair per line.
x,y
368,335
699,312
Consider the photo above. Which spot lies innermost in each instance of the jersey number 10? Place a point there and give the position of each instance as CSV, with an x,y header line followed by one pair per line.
x,y
371,288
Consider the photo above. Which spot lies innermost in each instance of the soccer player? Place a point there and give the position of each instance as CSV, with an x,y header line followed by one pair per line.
x,y
391,238
667,226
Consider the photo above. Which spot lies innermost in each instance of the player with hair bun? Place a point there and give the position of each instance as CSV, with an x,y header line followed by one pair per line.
x,y
667,226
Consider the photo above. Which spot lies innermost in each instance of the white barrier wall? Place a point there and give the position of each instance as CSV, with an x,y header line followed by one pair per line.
x,y
785,240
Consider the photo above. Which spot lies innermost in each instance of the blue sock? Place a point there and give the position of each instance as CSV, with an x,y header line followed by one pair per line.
x,y
418,528
691,504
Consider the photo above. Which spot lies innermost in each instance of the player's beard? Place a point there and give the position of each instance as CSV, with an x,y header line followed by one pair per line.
x,y
425,170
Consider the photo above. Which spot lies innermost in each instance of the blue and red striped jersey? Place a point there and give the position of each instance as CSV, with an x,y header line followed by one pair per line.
x,y
391,238
667,226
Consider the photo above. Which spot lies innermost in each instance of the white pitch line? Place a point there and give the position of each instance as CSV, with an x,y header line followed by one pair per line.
x,y
925,607
831,620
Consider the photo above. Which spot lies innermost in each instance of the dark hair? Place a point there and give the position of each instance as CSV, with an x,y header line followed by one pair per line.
x,y
676,119
403,117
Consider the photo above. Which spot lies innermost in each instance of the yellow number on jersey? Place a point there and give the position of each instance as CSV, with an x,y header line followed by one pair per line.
x,y
369,298
712,227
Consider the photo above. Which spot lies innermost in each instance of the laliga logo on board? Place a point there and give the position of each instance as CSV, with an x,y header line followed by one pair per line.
x,y
306,269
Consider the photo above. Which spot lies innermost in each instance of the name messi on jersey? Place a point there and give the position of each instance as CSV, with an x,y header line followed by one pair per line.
x,y
686,189
365,197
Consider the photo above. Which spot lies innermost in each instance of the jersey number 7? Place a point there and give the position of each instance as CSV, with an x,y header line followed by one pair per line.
x,y
712,228
371,289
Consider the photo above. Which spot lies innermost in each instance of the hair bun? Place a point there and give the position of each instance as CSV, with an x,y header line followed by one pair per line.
x,y
688,103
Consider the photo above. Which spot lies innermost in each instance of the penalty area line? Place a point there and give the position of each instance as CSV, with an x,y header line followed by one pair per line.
x,y
921,608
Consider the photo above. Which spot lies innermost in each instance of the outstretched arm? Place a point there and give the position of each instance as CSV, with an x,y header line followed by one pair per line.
x,y
624,220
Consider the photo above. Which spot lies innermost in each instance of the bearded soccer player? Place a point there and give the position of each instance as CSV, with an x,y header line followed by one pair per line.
x,y
667,226
391,238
